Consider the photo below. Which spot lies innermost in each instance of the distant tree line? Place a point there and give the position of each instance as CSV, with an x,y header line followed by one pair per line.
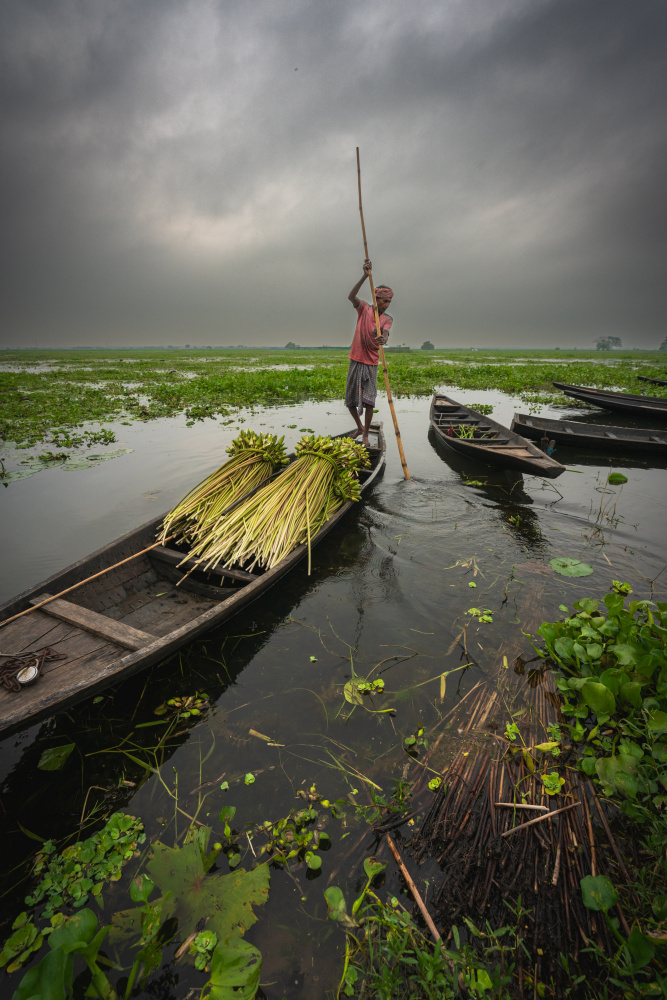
x,y
608,343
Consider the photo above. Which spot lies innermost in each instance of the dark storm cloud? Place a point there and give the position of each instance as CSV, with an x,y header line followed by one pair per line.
x,y
184,172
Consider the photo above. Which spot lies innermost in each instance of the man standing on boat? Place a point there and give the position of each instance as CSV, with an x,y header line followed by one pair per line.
x,y
361,387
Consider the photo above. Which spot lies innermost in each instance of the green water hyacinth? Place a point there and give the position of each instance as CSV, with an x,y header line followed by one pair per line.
x,y
253,459
290,510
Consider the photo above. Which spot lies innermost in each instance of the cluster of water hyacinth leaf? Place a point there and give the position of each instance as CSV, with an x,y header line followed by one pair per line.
x,y
69,879
253,459
290,510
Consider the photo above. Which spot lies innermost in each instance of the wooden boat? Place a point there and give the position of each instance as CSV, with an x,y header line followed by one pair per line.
x,y
581,435
655,381
133,615
623,402
491,442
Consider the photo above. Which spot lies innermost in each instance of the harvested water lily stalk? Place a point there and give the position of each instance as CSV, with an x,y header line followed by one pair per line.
x,y
253,458
265,527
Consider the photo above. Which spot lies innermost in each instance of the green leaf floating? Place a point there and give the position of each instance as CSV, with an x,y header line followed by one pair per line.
x,y
570,567
352,692
618,774
616,479
657,722
225,899
55,758
598,697
235,970
598,893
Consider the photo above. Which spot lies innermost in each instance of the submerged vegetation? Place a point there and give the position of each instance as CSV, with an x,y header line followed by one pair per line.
x,y
48,395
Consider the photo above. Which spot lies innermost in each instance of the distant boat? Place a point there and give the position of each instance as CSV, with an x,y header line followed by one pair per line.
x,y
623,402
599,436
489,441
655,381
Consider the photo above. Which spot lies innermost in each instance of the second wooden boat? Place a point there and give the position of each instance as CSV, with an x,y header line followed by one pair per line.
x,y
655,381
624,402
598,436
128,613
476,436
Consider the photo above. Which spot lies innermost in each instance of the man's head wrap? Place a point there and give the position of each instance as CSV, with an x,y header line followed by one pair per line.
x,y
383,292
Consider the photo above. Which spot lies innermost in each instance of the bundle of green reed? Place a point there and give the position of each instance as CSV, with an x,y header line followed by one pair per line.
x,y
265,527
253,458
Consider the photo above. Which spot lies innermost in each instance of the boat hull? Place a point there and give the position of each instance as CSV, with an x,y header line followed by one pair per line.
x,y
653,381
507,449
651,407
596,436
135,603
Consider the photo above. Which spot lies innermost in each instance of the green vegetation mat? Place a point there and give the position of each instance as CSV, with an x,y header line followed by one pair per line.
x,y
48,395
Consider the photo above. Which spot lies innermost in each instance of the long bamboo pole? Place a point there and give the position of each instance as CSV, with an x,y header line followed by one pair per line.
x,y
75,586
378,333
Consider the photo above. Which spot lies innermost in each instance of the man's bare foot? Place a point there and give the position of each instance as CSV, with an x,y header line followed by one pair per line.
x,y
365,441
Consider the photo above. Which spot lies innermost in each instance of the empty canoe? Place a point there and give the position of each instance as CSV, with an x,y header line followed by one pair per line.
x,y
474,435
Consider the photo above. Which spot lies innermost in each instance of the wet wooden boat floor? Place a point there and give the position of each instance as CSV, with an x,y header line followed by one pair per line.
x,y
157,609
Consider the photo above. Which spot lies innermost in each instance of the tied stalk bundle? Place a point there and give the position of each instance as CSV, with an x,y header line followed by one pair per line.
x,y
265,527
253,459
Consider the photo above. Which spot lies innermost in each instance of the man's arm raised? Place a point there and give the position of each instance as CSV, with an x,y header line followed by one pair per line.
x,y
353,294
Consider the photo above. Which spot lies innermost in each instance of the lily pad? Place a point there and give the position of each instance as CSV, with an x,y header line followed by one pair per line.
x,y
72,464
227,900
570,567
616,479
88,461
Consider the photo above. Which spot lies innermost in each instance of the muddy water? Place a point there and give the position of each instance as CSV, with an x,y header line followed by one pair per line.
x,y
392,587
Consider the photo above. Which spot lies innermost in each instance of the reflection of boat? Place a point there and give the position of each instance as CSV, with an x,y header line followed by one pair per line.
x,y
130,615
470,470
476,436
625,402
599,436
503,488
655,381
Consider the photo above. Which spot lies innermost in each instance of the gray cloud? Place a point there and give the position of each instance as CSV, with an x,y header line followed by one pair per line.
x,y
184,172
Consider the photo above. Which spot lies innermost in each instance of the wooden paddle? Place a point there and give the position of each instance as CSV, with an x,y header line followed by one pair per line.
x,y
378,333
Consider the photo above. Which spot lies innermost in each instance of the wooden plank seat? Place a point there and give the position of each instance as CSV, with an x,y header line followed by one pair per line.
x,y
95,623
174,558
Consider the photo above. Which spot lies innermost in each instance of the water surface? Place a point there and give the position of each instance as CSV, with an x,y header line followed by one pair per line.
x,y
391,584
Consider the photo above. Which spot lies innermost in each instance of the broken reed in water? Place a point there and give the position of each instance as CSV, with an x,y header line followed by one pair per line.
x,y
265,527
254,457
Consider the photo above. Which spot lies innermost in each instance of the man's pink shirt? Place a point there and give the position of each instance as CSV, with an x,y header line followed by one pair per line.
x,y
365,342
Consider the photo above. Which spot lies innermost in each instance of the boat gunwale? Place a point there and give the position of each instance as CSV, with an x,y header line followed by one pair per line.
x,y
530,464
570,390
129,663
598,433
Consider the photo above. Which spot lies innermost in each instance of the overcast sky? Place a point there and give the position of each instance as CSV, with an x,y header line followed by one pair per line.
x,y
183,171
